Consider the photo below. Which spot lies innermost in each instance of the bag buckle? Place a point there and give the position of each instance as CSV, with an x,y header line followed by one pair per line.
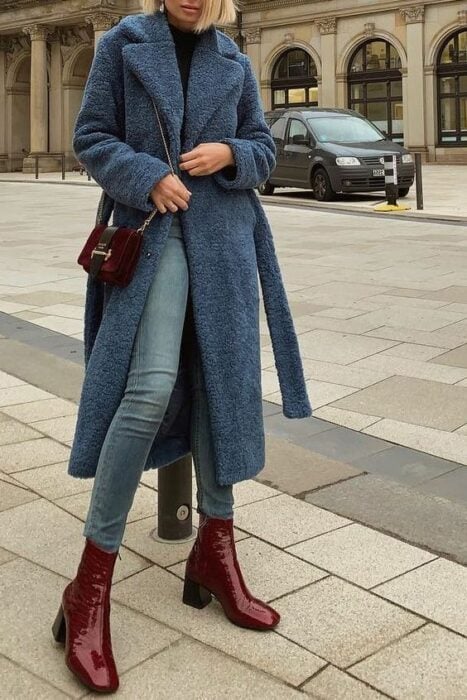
x,y
105,253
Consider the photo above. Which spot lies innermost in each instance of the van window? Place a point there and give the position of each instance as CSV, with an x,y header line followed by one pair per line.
x,y
297,128
278,129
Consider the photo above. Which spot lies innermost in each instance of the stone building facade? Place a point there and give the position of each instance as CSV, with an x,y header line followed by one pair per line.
x,y
402,64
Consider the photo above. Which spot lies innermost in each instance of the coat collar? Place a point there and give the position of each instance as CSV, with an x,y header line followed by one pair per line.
x,y
214,73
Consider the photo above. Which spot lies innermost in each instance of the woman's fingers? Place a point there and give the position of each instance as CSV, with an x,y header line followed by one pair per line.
x,y
171,194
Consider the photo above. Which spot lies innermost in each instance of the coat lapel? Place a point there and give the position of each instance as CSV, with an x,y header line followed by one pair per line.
x,y
212,77
155,66
152,59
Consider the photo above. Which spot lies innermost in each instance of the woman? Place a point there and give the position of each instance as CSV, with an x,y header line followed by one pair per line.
x,y
173,359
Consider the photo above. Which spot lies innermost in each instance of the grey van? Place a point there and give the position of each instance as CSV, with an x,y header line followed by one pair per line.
x,y
332,151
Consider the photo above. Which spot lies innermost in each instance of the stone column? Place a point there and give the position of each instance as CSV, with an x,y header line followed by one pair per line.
x,y
5,45
56,95
39,107
253,48
328,94
101,22
414,117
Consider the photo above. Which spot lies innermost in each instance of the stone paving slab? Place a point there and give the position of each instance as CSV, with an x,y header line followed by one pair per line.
x,y
284,521
406,466
19,683
454,358
339,441
426,403
340,622
333,684
207,673
13,431
430,521
437,590
348,419
6,556
21,394
12,496
450,446
361,555
339,348
293,469
20,533
52,481
31,453
389,366
41,410
429,663
452,485
62,428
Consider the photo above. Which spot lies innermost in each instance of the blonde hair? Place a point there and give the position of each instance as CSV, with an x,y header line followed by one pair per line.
x,y
214,12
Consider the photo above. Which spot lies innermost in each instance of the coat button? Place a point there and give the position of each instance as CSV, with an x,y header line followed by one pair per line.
x,y
148,255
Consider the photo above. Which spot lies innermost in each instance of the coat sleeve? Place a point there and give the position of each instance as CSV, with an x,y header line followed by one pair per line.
x,y
98,139
253,146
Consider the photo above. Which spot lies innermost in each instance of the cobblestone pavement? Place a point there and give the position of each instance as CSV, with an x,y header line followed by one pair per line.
x,y
365,614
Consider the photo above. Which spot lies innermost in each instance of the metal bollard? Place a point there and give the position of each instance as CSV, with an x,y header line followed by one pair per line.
x,y
63,167
175,511
419,180
37,167
391,185
391,179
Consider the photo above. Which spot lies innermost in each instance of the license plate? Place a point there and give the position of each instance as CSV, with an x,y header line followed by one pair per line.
x,y
378,173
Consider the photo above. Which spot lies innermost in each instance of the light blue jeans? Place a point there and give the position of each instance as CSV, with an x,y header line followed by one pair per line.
x,y
151,378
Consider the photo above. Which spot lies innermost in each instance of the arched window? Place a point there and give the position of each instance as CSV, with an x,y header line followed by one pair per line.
x,y
452,89
294,82
375,86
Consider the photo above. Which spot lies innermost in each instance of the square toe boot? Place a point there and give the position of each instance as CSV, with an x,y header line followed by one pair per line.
x,y
213,569
83,621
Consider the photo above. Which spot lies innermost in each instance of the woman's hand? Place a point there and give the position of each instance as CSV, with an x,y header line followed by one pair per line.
x,y
207,158
170,193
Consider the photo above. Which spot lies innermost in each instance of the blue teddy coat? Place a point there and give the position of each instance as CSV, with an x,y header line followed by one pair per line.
x,y
227,237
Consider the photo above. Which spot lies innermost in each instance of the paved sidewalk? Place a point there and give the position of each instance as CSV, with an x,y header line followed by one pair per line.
x,y
380,309
364,615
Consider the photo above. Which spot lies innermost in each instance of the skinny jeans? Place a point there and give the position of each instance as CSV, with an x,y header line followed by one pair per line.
x,y
151,379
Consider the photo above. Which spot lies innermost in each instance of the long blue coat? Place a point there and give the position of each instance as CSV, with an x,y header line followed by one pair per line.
x,y
227,237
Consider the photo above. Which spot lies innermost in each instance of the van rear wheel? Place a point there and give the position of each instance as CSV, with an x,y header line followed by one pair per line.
x,y
266,188
321,185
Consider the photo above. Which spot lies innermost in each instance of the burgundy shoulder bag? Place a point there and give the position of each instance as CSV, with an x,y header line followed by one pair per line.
x,y
111,253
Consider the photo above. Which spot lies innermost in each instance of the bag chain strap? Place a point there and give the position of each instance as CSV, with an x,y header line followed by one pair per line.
x,y
146,223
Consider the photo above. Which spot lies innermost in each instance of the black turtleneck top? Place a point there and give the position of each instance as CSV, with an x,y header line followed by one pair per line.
x,y
185,42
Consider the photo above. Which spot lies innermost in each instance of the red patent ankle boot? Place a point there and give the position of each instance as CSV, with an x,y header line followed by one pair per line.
x,y
213,569
83,621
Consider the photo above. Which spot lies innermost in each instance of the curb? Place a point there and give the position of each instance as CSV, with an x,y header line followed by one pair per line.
x,y
295,203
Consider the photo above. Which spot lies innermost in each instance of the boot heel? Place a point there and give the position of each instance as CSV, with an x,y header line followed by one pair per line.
x,y
195,595
59,627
